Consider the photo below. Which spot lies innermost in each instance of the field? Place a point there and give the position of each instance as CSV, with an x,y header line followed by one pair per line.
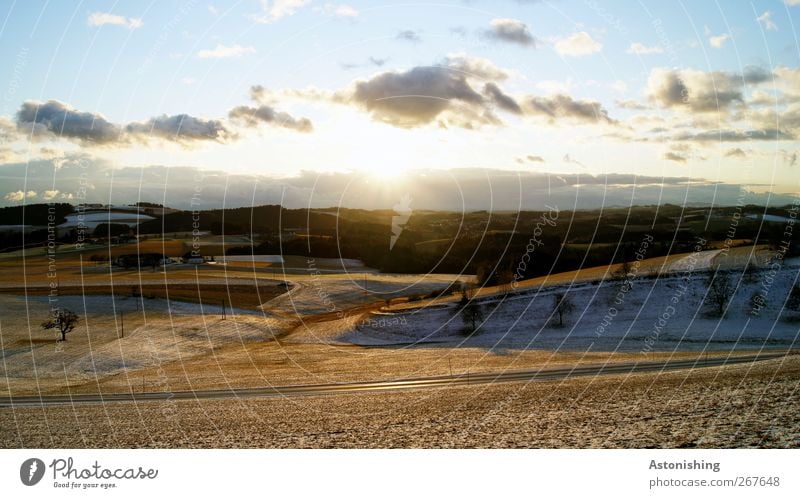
x,y
306,321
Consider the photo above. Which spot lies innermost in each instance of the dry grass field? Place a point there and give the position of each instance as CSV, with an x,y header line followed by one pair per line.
x,y
731,407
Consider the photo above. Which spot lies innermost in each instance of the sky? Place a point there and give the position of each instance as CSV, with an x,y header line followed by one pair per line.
x,y
461,104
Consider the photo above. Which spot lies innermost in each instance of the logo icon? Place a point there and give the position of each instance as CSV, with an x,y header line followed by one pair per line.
x,y
31,471
403,213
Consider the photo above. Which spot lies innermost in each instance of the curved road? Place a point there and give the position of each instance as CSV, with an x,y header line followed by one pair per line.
x,y
391,385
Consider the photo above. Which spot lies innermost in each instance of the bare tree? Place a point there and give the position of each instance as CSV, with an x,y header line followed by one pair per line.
x,y
470,311
719,294
562,307
472,316
64,320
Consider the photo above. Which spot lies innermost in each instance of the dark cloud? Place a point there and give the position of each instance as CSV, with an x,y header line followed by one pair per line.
x,y
756,74
180,128
735,135
409,35
500,99
530,158
700,91
564,106
54,118
674,156
371,61
252,116
414,97
512,31
737,152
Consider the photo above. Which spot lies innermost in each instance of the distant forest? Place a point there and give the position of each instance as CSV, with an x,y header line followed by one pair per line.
x,y
490,245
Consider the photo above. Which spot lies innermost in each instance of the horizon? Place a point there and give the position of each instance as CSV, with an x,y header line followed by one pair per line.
x,y
286,94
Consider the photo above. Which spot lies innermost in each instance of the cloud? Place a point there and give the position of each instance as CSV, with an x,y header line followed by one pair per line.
x,y
55,119
674,156
792,3
641,49
564,106
737,152
371,61
512,31
272,11
341,10
719,40
19,195
414,97
578,45
735,135
500,99
534,159
103,18
631,105
475,67
225,52
409,35
252,116
699,91
179,128
766,21
8,131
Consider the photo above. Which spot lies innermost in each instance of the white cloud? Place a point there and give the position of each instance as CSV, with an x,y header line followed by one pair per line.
x,y
213,10
765,20
102,18
341,10
577,45
792,3
271,11
619,86
642,49
224,52
718,41
49,195
19,195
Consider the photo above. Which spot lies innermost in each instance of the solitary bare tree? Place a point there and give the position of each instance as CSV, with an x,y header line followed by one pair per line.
x,y
64,320
719,294
562,307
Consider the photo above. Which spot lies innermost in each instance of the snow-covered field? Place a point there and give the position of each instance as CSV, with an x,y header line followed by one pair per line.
x,y
91,220
656,314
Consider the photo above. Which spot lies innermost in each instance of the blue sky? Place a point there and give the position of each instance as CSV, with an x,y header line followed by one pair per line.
x,y
582,87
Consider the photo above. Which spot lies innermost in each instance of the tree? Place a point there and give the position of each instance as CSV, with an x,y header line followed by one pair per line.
x,y
624,270
719,293
562,306
470,311
64,320
472,315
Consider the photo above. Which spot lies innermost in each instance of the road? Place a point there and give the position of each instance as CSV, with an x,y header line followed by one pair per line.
x,y
391,385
